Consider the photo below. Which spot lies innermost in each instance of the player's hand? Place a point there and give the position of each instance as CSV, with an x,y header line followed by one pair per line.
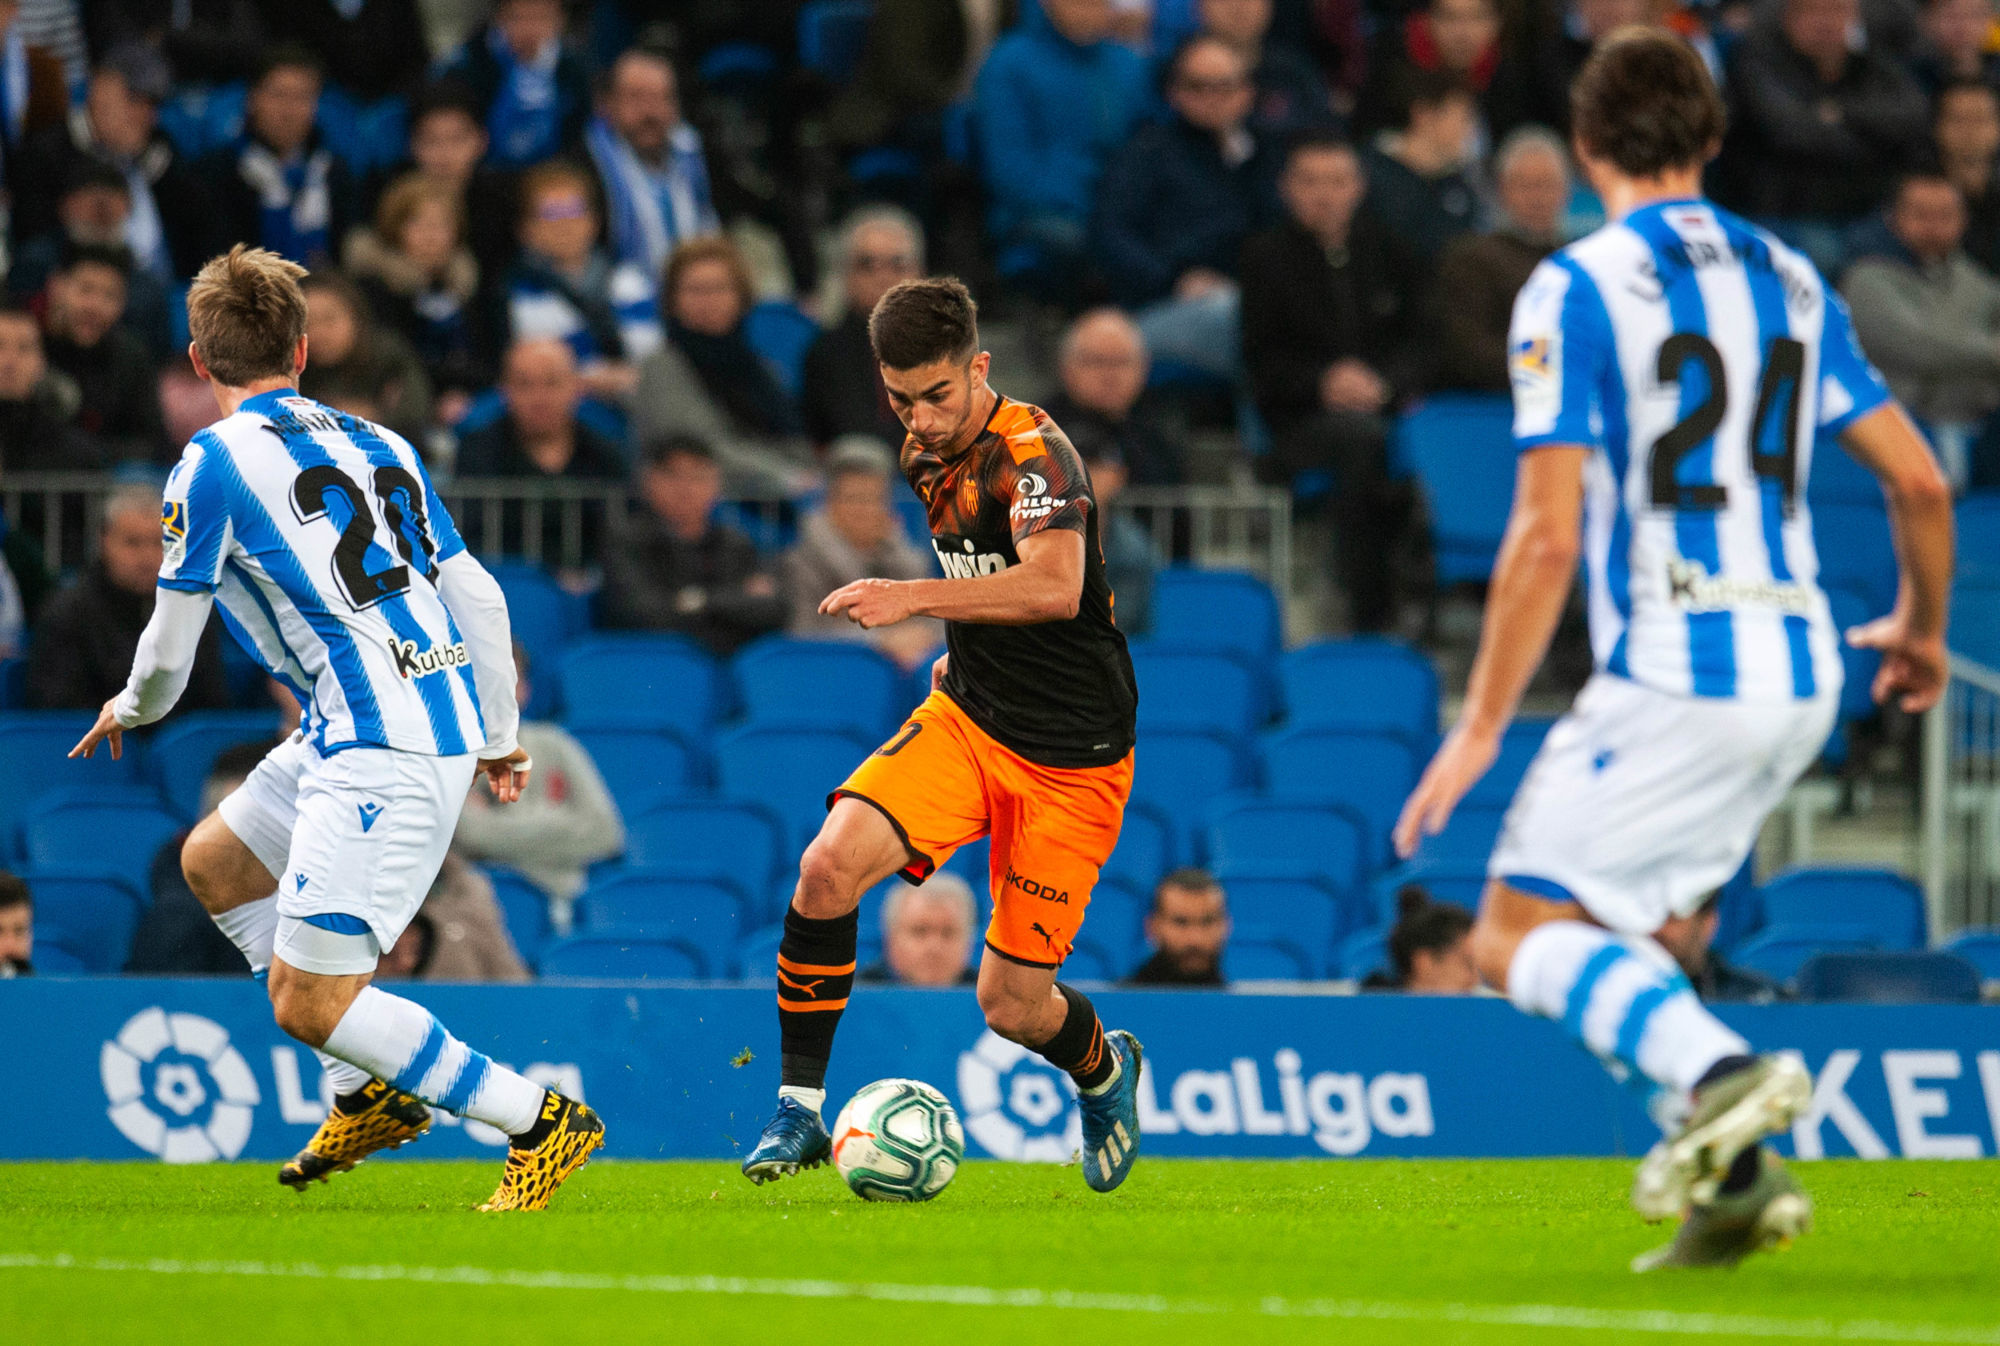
x,y
507,776
870,603
106,730
1460,762
1914,667
937,671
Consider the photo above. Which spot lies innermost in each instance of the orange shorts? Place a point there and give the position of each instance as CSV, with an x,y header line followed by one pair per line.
x,y
943,782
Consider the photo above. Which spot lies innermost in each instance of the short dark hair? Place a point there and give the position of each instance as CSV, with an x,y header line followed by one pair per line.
x,y
450,93
920,322
90,172
240,759
14,892
288,56
1415,87
1189,879
1645,102
659,452
116,256
1423,924
1318,141
17,310
1927,175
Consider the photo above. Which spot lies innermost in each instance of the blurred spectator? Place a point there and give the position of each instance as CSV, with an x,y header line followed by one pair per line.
x,y
563,285
1561,51
1055,99
533,88
1330,342
1187,927
1967,130
93,209
280,187
165,221
564,822
1479,274
1176,204
708,383
919,58
1954,45
371,48
83,645
1817,128
674,568
856,535
1457,41
459,933
842,393
1420,177
409,958
34,89
17,927
447,149
207,41
649,163
116,377
420,280
1929,318
1430,947
1102,365
1131,561
359,366
927,934
176,935
1691,940
1290,94
37,407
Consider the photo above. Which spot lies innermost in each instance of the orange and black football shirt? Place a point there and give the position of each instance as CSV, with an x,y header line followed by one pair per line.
x,y
1061,693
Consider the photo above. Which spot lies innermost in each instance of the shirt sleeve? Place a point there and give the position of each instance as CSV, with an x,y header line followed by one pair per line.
x,y
1044,483
1558,350
194,522
1849,386
444,529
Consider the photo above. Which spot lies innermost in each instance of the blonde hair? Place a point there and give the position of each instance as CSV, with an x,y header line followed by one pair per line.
x,y
405,197
247,315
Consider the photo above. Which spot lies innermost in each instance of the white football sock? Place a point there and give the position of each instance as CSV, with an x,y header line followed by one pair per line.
x,y
253,928
1623,998
1117,1073
812,1098
400,1041
341,1077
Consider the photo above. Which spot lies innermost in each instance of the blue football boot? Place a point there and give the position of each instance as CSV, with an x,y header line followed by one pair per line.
x,y
1111,1119
793,1139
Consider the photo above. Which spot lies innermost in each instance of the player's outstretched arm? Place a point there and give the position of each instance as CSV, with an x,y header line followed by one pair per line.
x,y
1524,602
1911,638
1047,586
160,669
479,607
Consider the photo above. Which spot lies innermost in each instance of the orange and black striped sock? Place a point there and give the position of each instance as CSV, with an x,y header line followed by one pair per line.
x,y
815,973
1078,1046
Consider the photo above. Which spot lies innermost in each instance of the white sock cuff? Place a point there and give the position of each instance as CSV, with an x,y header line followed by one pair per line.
x,y
812,1098
253,928
341,1077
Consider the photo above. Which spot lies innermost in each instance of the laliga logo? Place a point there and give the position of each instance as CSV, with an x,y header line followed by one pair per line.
x,y
177,1088
1016,1105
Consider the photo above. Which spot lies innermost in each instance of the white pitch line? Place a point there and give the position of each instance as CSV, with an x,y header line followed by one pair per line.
x,y
1558,1316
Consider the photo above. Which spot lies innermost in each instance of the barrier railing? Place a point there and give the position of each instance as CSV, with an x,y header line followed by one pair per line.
x,y
1961,801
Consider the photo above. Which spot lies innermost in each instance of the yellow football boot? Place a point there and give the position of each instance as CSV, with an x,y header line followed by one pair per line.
x,y
533,1173
385,1118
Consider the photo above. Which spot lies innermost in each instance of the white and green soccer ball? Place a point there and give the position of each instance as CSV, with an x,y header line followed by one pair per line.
x,y
898,1140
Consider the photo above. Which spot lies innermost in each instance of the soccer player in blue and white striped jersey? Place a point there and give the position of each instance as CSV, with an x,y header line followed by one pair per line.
x,y
1671,372
335,565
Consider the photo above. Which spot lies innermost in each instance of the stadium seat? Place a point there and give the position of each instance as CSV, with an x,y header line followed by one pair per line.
x,y
1979,539
184,749
973,862
524,909
1461,448
1740,914
1850,608
1366,684
740,843
757,955
706,917
1837,479
1196,690
1890,977
1468,838
1887,905
120,838
1259,959
1975,623
543,618
1089,962
619,956
1116,920
1323,842
1855,551
1778,951
1981,948
832,35
34,761
1369,773
13,676
641,682
1178,773
52,960
1462,882
1145,850
1231,611
820,684
1298,912
1364,953
789,770
1518,747
780,332
642,768
89,915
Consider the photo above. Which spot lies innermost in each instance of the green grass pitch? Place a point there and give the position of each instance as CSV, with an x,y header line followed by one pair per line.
x,y
1432,1252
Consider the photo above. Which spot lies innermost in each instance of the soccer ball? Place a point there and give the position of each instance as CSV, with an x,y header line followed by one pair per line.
x,y
897,1140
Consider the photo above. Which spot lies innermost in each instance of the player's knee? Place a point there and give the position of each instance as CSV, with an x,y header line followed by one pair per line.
x,y
301,1014
205,867
1492,946
828,886
1011,1016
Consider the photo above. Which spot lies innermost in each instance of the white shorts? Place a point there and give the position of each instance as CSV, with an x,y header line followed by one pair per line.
x,y
354,841
1640,804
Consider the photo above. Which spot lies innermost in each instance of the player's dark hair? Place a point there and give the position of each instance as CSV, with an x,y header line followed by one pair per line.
x,y
920,322
115,256
1187,879
14,892
288,56
238,760
1423,924
663,450
1645,102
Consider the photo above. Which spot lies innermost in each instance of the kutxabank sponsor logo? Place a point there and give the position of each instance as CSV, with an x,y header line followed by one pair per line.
x,y
177,1089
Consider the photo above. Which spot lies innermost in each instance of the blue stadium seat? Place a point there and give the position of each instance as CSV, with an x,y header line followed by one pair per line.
x,y
1460,881
832,36
13,677
34,748
757,955
1979,539
1259,959
618,956
1231,611
1779,951
973,863
524,909
89,915
1298,912
1855,551
1323,842
1850,608
1979,947
1090,962
184,750
820,684
1975,623
1899,977
1196,690
1837,479
1518,747
52,960
1145,850
641,768
641,682
544,619
1371,774
790,770
1468,838
780,332
735,842
1461,448
707,917
915,517
1889,906
1364,953
1116,920
1178,773
120,838
1740,914
1368,684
